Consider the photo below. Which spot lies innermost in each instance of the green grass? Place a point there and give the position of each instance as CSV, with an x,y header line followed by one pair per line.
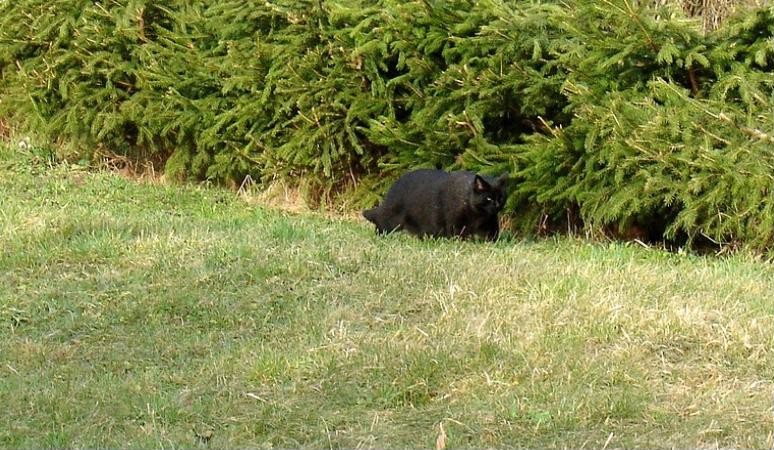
x,y
147,315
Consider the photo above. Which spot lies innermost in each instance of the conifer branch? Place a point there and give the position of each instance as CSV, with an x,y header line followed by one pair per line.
x,y
141,24
723,117
633,15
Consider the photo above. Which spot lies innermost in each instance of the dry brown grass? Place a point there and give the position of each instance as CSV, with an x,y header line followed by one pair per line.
x,y
144,171
712,13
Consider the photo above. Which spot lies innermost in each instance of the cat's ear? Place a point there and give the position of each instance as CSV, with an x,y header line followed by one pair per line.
x,y
502,180
480,185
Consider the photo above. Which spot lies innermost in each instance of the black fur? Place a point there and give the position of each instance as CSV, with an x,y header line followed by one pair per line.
x,y
435,203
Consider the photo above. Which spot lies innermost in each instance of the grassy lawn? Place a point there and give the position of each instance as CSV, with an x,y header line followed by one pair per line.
x,y
147,315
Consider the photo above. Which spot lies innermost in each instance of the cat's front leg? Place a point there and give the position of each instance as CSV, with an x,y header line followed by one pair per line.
x,y
491,229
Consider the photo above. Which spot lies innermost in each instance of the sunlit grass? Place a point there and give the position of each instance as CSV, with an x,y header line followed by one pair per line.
x,y
150,315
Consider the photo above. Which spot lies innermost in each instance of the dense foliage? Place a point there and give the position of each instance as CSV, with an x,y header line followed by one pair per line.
x,y
609,114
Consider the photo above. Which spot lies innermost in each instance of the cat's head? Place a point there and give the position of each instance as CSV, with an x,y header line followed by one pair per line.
x,y
488,195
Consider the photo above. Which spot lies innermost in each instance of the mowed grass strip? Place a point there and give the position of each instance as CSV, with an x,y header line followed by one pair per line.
x,y
149,315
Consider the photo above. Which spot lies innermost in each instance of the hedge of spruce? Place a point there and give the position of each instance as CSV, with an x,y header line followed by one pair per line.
x,y
607,113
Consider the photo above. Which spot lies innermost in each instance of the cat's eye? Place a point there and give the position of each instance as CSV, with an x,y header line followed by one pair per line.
x,y
489,199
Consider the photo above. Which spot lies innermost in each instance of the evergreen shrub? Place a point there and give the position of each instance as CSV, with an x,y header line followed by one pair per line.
x,y
610,114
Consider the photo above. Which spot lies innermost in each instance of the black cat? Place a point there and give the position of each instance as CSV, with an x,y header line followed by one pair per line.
x,y
435,203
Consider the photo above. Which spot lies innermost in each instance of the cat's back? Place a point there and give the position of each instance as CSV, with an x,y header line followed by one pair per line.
x,y
461,178
416,184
